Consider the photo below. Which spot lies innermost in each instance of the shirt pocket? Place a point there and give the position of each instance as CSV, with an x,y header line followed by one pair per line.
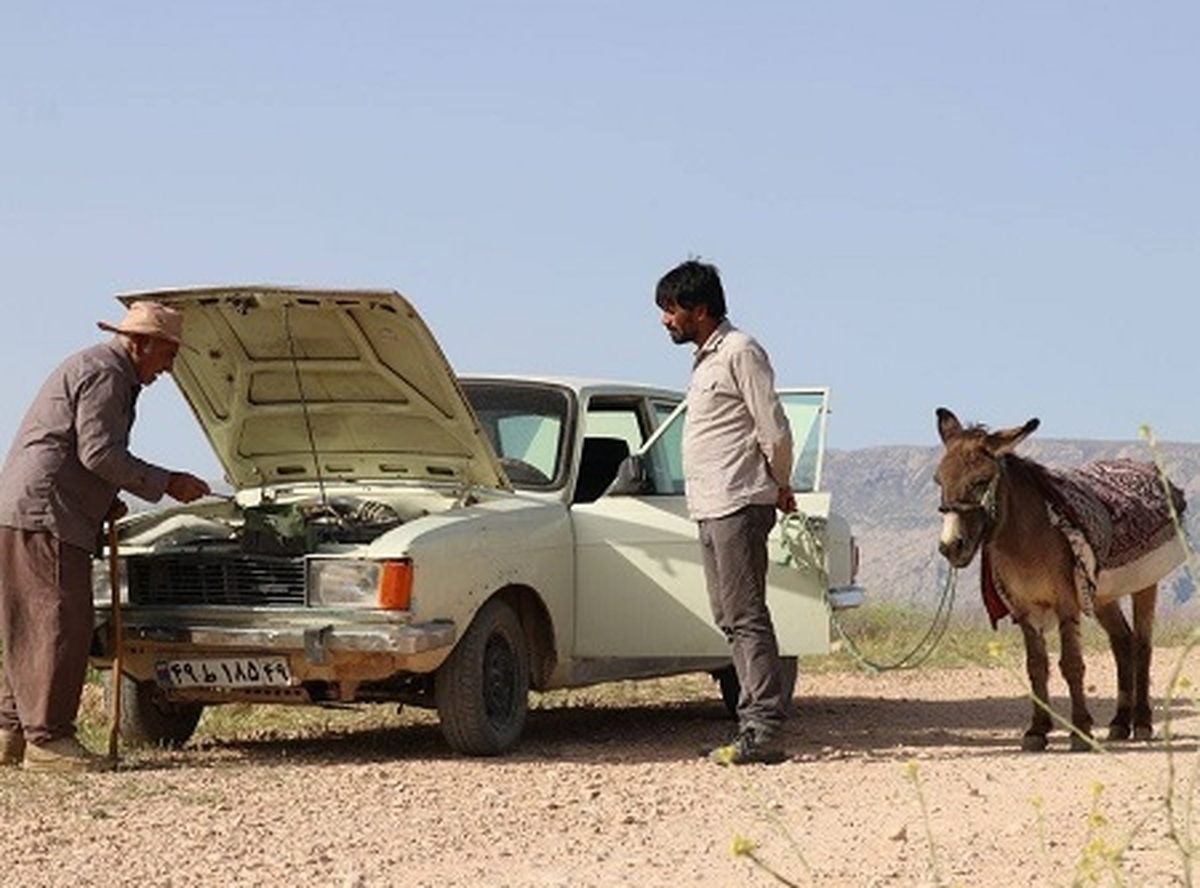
x,y
710,390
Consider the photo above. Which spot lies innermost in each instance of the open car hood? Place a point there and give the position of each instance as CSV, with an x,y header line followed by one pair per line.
x,y
298,385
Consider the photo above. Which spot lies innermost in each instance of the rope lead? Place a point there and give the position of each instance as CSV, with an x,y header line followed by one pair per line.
x,y
804,550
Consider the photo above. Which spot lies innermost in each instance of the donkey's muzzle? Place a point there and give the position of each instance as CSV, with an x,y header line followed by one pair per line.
x,y
960,537
957,552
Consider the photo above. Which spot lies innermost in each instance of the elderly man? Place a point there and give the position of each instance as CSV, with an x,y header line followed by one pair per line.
x,y
59,483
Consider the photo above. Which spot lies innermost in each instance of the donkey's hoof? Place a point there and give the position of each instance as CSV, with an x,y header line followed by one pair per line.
x,y
1143,732
1033,742
1118,731
1082,743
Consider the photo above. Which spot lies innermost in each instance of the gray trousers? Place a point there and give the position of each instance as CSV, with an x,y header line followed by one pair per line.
x,y
46,628
735,567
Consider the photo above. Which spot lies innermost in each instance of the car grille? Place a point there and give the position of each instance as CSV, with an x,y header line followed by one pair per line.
x,y
236,580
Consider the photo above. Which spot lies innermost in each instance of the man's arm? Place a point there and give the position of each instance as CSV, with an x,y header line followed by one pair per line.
x,y
756,379
103,411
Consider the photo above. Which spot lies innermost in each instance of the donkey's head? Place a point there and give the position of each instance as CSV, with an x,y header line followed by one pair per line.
x,y
969,475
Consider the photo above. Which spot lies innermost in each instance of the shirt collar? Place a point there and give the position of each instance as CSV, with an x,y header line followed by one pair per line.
x,y
713,342
118,348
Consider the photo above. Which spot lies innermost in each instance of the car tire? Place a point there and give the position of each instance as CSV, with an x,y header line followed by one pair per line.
x,y
731,688
148,718
482,690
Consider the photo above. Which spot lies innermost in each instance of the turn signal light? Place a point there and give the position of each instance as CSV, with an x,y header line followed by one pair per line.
x,y
395,585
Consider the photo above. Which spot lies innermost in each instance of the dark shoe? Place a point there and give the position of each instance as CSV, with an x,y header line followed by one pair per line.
x,y
747,748
62,755
12,746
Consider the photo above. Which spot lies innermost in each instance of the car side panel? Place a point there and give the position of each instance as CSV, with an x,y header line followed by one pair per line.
x,y
640,587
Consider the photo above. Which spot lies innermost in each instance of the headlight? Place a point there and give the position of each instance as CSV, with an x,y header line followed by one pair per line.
x,y
382,584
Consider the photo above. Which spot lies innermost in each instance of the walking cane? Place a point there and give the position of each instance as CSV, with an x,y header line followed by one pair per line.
x,y
114,580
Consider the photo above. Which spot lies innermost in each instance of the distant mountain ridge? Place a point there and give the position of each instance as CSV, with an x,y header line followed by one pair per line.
x,y
889,497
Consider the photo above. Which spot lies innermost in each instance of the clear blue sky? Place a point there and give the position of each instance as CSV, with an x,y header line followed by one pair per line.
x,y
995,207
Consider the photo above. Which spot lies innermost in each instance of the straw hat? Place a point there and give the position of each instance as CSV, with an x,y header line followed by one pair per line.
x,y
149,319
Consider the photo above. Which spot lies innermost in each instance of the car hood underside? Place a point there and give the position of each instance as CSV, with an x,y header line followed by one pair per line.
x,y
296,385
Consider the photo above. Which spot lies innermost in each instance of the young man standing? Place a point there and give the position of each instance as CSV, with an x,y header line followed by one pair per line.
x,y
737,463
59,484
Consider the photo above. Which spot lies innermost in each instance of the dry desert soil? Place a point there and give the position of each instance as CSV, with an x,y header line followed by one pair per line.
x,y
900,778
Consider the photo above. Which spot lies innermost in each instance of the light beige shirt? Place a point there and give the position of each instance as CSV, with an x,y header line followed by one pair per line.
x,y
71,453
737,444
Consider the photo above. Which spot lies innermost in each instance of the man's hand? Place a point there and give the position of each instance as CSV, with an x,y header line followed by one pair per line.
x,y
116,511
186,487
786,501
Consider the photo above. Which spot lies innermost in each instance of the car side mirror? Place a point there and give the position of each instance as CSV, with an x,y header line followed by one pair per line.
x,y
632,478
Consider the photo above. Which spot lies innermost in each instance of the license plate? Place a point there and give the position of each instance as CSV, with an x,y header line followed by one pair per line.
x,y
224,672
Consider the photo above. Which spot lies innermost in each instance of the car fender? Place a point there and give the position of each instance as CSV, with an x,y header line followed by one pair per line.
x,y
461,558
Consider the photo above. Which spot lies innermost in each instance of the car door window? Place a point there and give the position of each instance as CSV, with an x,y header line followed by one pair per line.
x,y
806,414
623,424
663,458
662,411
806,409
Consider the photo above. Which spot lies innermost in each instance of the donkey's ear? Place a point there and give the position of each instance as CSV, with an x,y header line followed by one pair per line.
x,y
1006,440
948,425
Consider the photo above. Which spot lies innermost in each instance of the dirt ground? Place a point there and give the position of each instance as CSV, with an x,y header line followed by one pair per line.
x,y
907,778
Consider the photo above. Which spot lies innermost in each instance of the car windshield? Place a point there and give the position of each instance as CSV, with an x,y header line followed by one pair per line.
x,y
526,426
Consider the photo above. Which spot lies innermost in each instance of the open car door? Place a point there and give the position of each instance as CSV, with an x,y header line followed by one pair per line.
x,y
640,583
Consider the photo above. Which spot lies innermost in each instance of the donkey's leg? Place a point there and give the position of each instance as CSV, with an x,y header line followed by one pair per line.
x,y
1143,647
1120,639
1071,665
1037,666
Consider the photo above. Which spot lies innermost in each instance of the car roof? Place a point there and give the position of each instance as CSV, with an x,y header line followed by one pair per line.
x,y
584,386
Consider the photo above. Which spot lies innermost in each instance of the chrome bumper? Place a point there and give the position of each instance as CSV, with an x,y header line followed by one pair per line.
x,y
317,634
846,597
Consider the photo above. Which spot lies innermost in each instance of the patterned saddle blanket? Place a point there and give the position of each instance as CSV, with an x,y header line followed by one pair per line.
x,y
1118,505
1112,512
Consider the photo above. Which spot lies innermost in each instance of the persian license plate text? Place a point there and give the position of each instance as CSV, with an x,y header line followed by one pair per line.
x,y
226,672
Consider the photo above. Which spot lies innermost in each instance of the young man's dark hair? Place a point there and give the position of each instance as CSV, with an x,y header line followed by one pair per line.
x,y
693,283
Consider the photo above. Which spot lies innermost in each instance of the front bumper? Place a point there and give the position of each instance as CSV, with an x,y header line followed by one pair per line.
x,y
326,645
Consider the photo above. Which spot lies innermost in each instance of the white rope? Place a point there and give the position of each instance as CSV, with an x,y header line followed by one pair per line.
x,y
804,549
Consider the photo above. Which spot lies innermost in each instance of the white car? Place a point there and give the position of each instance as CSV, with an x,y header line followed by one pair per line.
x,y
397,533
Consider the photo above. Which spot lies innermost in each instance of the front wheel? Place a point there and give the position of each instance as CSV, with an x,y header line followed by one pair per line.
x,y
148,718
482,690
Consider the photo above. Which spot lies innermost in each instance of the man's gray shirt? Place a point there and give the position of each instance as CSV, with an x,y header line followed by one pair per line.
x,y
737,444
71,454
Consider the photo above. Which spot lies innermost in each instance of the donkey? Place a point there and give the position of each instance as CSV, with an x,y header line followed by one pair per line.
x,y
1050,553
